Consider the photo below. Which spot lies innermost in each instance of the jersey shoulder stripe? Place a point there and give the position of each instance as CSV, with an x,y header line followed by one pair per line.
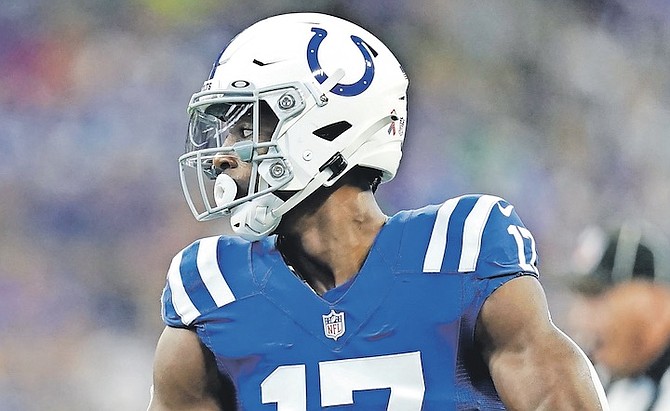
x,y
195,283
473,231
212,277
177,305
475,210
467,236
437,244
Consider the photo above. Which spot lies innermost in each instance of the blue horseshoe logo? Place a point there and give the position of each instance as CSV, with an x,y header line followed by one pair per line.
x,y
347,90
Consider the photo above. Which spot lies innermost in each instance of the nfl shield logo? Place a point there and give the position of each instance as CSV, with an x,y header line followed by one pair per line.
x,y
333,324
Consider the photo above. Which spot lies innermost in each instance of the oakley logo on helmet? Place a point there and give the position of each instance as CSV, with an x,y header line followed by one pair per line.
x,y
346,90
240,84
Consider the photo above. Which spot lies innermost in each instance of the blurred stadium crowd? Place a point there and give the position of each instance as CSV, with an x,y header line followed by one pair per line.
x,y
562,107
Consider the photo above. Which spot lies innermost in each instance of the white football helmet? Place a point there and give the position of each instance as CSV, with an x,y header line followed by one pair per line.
x,y
337,98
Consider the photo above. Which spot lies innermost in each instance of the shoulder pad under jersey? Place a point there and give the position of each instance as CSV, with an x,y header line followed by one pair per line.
x,y
480,234
196,284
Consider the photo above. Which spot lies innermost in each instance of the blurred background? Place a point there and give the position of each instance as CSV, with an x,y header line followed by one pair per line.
x,y
560,106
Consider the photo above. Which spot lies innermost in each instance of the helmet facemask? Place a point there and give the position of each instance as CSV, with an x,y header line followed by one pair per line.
x,y
241,127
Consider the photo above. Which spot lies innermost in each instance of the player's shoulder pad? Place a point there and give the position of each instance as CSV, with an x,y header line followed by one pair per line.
x,y
481,234
196,284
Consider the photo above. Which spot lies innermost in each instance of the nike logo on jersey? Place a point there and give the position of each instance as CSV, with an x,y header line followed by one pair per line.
x,y
507,211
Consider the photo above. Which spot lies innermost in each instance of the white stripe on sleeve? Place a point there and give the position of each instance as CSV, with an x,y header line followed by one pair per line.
x,y
210,273
180,300
473,231
437,245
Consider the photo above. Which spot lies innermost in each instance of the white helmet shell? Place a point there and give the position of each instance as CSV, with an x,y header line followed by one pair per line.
x,y
339,95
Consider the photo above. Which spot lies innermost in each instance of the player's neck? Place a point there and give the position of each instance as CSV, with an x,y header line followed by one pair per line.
x,y
327,246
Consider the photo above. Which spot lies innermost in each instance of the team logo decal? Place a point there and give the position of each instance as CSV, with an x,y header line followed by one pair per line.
x,y
347,90
333,324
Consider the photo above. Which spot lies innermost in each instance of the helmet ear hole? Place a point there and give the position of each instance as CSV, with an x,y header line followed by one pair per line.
x,y
332,131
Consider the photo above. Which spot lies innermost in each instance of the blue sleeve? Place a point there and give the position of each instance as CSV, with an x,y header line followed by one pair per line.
x,y
506,251
506,246
480,234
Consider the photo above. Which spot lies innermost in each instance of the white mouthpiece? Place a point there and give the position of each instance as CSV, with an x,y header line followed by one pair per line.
x,y
225,190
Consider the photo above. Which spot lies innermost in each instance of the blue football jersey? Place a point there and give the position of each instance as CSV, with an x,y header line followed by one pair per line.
x,y
398,336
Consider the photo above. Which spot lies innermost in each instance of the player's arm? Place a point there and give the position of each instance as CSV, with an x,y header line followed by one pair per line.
x,y
534,365
185,377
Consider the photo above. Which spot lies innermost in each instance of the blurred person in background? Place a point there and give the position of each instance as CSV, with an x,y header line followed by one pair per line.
x,y
319,299
621,315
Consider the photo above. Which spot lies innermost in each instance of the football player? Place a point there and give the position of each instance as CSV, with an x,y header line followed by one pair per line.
x,y
319,300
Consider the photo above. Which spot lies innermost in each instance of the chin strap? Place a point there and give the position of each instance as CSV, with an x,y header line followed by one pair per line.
x,y
331,168
256,220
